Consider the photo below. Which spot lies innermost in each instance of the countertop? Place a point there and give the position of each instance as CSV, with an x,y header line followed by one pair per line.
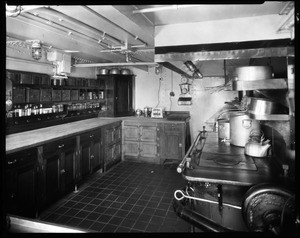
x,y
24,140
249,170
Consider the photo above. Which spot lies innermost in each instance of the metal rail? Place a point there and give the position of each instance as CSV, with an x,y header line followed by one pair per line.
x,y
201,134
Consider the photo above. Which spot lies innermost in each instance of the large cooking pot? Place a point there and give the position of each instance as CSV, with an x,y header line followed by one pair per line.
x,y
241,126
262,106
250,73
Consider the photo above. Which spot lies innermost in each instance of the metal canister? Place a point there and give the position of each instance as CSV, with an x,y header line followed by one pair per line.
x,y
145,111
223,129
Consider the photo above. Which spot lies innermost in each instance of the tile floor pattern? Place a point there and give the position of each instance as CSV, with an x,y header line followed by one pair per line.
x,y
130,197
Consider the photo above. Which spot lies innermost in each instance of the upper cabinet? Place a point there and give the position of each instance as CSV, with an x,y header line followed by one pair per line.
x,y
37,100
118,90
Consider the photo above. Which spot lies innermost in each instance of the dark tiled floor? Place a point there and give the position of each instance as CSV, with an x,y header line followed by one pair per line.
x,y
130,197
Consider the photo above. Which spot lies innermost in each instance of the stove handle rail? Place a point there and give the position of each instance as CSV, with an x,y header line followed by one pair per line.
x,y
195,218
187,158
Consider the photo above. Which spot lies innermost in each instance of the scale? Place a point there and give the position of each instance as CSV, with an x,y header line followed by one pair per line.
x,y
185,97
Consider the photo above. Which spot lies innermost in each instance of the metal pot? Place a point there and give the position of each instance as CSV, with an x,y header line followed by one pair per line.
x,y
103,71
262,106
125,71
251,73
223,129
114,71
241,126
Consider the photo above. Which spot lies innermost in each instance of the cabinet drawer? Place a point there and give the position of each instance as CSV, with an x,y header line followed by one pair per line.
x,y
21,158
65,95
36,79
173,127
32,95
57,146
13,76
45,80
90,136
74,95
45,95
56,95
25,78
18,95
70,81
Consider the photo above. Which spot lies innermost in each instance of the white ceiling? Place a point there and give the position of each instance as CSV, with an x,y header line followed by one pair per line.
x,y
200,13
93,29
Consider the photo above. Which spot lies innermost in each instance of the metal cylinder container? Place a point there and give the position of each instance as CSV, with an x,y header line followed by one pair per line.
x,y
241,126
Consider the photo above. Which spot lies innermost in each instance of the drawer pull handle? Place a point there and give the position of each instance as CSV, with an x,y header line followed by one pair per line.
x,y
180,145
62,171
91,136
61,146
12,162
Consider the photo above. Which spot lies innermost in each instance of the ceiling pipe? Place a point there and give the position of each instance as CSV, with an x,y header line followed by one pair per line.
x,y
60,32
61,26
82,24
121,28
156,9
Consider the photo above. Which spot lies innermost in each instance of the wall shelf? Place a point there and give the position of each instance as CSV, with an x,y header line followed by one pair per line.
x,y
276,83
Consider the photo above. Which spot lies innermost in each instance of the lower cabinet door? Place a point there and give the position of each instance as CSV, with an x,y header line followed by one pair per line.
x,y
21,191
21,183
172,145
131,148
148,149
52,179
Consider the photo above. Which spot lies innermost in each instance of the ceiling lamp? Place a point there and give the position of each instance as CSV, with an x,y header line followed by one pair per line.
x,y
36,50
190,65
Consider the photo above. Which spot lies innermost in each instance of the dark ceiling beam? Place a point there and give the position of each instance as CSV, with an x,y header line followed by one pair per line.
x,y
175,69
224,46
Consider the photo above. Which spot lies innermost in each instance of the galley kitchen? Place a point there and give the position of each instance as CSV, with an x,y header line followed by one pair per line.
x,y
150,119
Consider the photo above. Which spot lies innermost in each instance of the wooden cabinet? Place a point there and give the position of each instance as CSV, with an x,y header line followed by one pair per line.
x,y
155,142
90,152
141,141
59,160
62,100
112,144
118,92
173,140
21,179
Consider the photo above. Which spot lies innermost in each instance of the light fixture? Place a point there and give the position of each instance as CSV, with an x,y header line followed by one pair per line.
x,y
190,65
36,50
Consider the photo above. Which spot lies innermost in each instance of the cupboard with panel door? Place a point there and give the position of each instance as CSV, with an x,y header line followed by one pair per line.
x,y
21,181
90,152
141,141
111,144
59,162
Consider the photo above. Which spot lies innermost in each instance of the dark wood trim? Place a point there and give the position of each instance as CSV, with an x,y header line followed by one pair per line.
x,y
224,46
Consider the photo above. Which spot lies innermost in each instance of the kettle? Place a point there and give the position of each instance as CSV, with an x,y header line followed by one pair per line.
x,y
257,146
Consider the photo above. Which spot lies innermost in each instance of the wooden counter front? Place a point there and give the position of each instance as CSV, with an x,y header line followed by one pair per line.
x,y
24,140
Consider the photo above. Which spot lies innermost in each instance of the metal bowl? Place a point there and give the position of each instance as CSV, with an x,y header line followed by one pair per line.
x,y
125,71
103,71
263,106
251,73
114,71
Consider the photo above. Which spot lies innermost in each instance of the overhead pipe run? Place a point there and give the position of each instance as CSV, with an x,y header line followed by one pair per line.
x,y
109,21
82,24
169,7
69,30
